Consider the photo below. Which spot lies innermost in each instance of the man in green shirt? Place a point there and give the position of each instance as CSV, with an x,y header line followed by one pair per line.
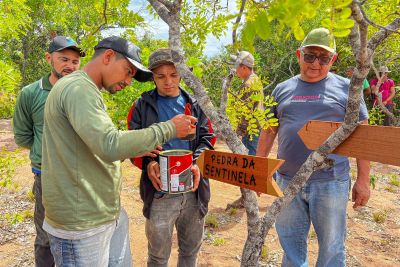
x,y
63,56
366,87
82,150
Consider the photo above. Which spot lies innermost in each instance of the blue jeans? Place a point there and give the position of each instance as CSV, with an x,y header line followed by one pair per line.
x,y
181,211
108,248
322,203
250,145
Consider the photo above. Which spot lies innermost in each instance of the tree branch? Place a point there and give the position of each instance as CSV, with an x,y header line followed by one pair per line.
x,y
224,93
373,23
161,10
236,24
381,35
167,4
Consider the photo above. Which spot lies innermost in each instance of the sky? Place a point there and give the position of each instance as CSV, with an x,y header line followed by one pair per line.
x,y
159,29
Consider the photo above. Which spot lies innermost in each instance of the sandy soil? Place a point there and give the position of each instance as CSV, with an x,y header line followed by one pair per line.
x,y
369,243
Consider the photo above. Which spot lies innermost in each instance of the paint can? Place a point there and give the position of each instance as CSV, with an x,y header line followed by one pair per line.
x,y
175,171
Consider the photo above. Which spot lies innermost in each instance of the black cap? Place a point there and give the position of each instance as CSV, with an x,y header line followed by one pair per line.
x,y
62,42
130,51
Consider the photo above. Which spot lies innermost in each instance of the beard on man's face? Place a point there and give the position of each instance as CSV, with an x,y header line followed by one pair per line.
x,y
112,89
59,75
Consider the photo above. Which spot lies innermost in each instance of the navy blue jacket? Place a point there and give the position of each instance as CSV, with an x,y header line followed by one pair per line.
x,y
144,113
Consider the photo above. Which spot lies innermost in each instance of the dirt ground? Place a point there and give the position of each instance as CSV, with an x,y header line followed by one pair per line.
x,y
373,235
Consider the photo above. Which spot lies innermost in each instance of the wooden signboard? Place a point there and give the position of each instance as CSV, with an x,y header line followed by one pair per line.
x,y
369,142
254,173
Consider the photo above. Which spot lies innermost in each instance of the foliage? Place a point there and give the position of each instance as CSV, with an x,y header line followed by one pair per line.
x,y
241,106
30,196
264,252
394,180
18,217
15,18
376,116
232,211
219,241
9,160
372,180
14,218
291,14
211,221
380,216
9,80
214,69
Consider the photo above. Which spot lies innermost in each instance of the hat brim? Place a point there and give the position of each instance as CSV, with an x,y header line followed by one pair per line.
x,y
142,74
327,48
77,49
160,63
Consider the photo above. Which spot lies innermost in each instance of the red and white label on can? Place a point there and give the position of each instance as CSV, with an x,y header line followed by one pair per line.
x,y
175,171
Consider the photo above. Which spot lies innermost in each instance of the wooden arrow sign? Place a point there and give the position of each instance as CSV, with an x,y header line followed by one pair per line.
x,y
369,142
254,173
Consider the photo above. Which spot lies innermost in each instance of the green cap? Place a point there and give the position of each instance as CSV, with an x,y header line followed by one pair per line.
x,y
320,37
160,57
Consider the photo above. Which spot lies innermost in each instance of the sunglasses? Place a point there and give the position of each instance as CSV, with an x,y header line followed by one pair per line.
x,y
310,58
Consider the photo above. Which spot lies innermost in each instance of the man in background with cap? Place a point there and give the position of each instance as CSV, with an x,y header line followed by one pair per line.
x,y
386,90
63,56
315,94
82,149
162,210
250,88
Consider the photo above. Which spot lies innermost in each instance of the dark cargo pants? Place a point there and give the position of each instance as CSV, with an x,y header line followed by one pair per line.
x,y
43,256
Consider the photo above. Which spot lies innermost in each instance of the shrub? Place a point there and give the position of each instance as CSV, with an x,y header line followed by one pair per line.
x,y
211,221
219,241
10,79
379,216
394,180
264,252
9,160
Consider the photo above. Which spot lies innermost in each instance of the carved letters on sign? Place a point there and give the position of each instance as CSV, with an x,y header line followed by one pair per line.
x,y
254,173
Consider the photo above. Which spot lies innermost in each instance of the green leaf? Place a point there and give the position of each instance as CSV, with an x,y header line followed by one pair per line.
x,y
345,13
344,24
263,26
298,33
327,23
342,3
248,33
341,33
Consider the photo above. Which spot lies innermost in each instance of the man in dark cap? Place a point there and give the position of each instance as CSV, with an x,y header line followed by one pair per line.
x,y
82,150
63,56
163,211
